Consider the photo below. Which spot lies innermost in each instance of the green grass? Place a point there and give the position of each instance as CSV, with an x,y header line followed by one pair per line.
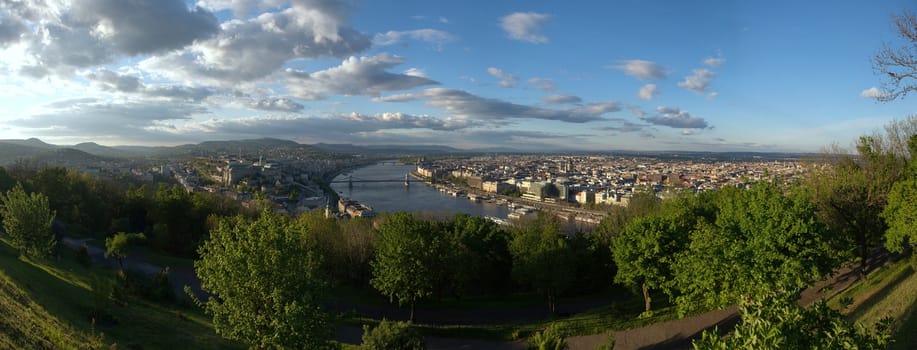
x,y
25,324
616,316
888,292
62,288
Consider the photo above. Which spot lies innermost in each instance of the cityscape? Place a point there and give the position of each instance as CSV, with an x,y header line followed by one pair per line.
x,y
502,175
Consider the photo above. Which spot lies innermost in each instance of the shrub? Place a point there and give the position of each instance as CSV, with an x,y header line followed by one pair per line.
x,y
551,338
392,335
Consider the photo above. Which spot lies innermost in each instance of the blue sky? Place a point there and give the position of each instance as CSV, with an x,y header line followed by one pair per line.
x,y
529,75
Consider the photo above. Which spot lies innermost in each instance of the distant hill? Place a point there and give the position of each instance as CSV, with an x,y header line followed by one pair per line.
x,y
104,151
68,155
393,149
32,142
249,148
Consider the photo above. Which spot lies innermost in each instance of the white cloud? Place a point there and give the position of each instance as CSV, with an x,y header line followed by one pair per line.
x,y
355,76
561,99
698,82
466,105
507,80
396,37
648,92
872,92
641,69
525,26
714,61
251,49
93,118
61,37
543,84
276,104
676,118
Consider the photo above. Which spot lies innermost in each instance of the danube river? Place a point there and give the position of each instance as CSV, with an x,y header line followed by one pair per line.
x,y
394,196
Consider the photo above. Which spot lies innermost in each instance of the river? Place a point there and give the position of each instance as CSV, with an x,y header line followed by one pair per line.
x,y
418,197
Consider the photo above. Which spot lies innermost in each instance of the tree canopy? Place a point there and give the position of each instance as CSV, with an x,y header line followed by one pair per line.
x,y
27,220
406,253
267,286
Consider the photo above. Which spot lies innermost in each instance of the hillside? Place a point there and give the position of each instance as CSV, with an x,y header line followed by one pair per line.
x,y
27,325
52,301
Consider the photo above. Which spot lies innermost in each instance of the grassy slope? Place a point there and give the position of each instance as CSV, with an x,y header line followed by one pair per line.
x,y
27,325
62,288
888,292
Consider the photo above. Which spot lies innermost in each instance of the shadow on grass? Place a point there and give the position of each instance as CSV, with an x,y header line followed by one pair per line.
x,y
881,294
906,335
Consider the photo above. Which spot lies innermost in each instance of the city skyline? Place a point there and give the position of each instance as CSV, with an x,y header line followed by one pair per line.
x,y
624,75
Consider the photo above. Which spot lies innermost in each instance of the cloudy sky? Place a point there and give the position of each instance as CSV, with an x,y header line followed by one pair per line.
x,y
526,74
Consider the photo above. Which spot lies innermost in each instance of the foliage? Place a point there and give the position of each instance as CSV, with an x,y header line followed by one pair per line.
x,y
405,260
645,251
850,193
551,338
477,258
776,322
117,245
761,241
266,282
27,221
901,212
392,335
542,259
901,215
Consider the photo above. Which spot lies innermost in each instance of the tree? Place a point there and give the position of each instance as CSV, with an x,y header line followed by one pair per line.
x,y
478,255
901,212
761,241
392,335
406,253
899,65
645,251
27,220
777,322
116,246
850,192
542,258
266,283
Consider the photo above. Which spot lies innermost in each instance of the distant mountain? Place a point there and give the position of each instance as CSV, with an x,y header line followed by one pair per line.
x,y
249,148
68,156
393,149
103,151
32,142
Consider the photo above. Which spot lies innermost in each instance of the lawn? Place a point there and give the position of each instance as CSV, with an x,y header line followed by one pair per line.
x,y
62,288
888,292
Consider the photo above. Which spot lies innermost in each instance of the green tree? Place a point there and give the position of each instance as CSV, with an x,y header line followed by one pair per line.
x,y
851,193
116,246
477,257
392,335
645,251
901,212
406,254
762,241
542,258
27,220
776,322
267,286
